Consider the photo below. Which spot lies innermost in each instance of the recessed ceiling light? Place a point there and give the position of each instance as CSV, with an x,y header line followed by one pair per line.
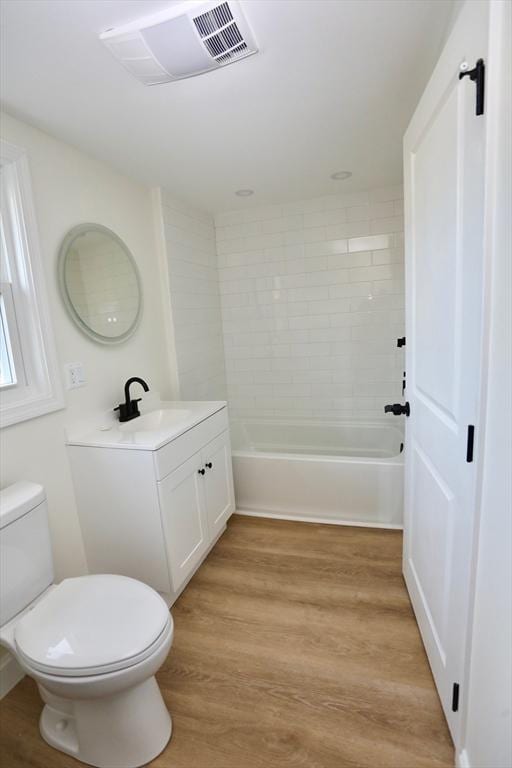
x,y
341,175
244,192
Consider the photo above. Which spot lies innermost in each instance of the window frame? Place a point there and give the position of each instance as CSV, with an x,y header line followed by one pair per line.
x,y
38,389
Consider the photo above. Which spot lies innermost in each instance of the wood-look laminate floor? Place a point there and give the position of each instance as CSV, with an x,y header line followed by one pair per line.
x,y
295,645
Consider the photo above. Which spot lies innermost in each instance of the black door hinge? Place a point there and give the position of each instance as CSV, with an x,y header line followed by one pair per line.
x,y
477,74
455,698
470,443
400,342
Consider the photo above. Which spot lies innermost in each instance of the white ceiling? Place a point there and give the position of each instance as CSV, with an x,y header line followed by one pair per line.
x,y
332,88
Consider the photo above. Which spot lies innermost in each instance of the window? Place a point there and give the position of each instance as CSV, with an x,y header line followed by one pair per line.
x,y
29,385
7,366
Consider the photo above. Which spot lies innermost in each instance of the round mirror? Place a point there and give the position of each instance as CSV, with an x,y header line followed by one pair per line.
x,y
100,283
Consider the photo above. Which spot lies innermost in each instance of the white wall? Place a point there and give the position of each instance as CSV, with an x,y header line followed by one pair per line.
x,y
188,239
71,188
312,299
487,735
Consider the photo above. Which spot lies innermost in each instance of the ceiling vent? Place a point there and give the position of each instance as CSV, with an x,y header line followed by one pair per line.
x,y
186,40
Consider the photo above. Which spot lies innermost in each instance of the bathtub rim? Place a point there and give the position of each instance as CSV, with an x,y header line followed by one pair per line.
x,y
318,457
250,452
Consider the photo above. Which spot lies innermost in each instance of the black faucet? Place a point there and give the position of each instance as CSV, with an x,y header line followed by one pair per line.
x,y
130,409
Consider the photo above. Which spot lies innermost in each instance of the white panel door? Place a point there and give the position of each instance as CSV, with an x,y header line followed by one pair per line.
x,y
219,492
184,519
444,186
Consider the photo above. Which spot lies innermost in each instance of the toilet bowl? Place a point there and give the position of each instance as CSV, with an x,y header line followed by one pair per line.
x,y
92,644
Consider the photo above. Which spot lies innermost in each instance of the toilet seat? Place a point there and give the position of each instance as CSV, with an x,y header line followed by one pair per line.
x,y
92,625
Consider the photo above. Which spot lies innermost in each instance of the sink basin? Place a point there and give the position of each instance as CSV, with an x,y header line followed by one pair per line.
x,y
156,421
152,430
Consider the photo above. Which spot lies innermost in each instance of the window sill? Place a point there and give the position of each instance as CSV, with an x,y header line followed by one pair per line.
x,y
29,409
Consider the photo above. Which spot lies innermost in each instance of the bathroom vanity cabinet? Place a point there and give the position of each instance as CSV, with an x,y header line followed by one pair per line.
x,y
154,513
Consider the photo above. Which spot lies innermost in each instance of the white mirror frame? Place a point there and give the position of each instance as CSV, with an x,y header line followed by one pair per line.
x,y
73,233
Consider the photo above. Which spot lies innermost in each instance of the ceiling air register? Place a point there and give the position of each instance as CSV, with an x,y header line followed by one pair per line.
x,y
186,40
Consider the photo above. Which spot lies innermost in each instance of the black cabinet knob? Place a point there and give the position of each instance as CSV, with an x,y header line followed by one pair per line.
x,y
201,471
208,465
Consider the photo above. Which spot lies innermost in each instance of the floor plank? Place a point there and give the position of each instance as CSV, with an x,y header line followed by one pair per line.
x,y
295,645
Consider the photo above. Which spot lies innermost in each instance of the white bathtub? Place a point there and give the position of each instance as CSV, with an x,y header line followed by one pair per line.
x,y
329,472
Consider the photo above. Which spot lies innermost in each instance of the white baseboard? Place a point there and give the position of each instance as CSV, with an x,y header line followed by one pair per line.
x,y
307,519
462,760
10,674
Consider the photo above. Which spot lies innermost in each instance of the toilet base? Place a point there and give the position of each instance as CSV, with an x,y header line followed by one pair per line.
x,y
126,730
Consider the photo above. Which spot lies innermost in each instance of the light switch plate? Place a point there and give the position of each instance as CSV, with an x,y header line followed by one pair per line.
x,y
75,375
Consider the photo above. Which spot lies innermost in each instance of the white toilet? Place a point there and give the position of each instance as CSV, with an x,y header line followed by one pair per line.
x,y
93,644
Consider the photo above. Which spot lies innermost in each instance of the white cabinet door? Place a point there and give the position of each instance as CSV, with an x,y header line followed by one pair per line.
x,y
184,519
444,186
218,481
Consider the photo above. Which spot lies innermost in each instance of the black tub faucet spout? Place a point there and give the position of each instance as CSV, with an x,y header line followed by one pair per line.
x,y
130,408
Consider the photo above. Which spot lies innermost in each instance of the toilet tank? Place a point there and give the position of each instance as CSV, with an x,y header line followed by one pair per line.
x,y
26,563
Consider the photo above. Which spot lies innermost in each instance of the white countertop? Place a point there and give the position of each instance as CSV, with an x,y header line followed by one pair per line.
x,y
152,429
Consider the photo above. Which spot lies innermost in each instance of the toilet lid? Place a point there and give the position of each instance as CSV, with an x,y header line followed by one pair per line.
x,y
92,625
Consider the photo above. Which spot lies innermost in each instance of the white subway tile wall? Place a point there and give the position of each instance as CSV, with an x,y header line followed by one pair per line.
x,y
195,301
312,297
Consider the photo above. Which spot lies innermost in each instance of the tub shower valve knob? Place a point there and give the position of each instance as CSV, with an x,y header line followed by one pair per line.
x,y
397,409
